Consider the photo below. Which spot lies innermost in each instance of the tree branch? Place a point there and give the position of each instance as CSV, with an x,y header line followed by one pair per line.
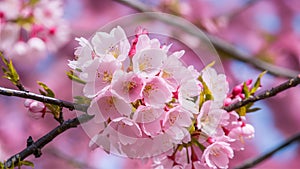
x,y
251,163
266,94
40,143
222,47
41,98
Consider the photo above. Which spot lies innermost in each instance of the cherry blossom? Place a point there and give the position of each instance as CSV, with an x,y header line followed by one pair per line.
x,y
111,46
217,155
128,86
32,29
144,97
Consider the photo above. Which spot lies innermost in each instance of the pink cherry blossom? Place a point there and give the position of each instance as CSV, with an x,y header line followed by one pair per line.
x,y
156,93
128,86
148,62
128,131
188,95
33,28
149,119
107,106
211,117
98,76
217,84
84,54
217,155
112,46
245,131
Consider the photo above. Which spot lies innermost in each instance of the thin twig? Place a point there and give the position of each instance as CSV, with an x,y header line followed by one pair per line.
x,y
40,143
255,161
221,46
266,94
41,98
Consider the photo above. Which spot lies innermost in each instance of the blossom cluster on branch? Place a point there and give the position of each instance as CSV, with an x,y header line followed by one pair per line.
x,y
31,28
148,104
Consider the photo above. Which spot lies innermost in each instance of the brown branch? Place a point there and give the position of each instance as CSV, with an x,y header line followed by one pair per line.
x,y
41,98
222,47
40,143
251,163
266,94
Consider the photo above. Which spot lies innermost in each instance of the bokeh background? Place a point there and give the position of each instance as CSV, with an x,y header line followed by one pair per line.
x,y
268,30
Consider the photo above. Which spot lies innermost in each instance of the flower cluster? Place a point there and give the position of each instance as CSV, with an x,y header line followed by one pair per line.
x,y
147,103
31,27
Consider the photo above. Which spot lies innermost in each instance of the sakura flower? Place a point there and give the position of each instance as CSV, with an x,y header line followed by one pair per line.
x,y
173,70
149,119
176,123
138,32
144,42
156,93
188,93
245,131
32,28
84,54
128,131
217,84
101,140
98,76
211,118
127,86
217,155
107,106
112,46
148,62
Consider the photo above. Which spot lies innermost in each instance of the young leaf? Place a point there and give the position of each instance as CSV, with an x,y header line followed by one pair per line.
x,y
246,90
9,71
48,91
257,83
82,100
55,109
26,163
253,109
74,77
205,93
242,111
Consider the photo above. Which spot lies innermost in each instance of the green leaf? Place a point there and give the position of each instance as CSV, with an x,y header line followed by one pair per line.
x,y
196,142
206,93
55,109
253,109
246,90
242,111
48,91
74,77
9,71
33,2
257,83
26,163
1,165
82,100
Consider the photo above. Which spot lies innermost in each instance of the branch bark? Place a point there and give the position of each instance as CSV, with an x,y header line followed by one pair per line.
x,y
266,94
40,143
41,98
221,46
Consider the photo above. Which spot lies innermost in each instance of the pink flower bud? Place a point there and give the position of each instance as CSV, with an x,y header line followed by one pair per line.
x,y
237,90
35,106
